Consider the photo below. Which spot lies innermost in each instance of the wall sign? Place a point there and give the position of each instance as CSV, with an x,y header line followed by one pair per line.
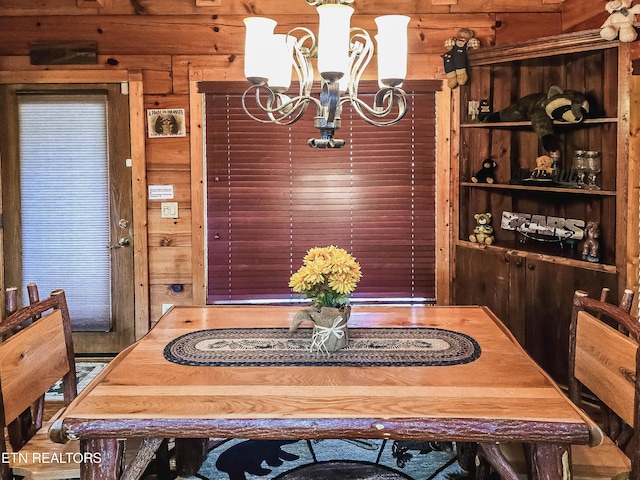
x,y
160,192
166,123
527,223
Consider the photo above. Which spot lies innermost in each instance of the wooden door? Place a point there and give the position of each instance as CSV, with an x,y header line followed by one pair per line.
x,y
483,277
112,328
547,302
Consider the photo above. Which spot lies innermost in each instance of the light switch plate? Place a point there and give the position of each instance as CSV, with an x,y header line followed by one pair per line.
x,y
169,209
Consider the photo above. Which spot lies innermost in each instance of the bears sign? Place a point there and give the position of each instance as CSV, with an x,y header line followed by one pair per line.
x,y
569,228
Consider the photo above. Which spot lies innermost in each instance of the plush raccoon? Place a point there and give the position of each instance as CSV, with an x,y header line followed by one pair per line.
x,y
542,109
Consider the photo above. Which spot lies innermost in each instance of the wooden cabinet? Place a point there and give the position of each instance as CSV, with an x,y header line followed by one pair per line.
x,y
483,277
528,280
529,294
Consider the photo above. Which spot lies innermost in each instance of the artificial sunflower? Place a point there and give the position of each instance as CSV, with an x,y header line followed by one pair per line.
x,y
328,276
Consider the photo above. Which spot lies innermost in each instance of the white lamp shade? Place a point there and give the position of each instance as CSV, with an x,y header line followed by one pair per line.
x,y
392,49
281,64
257,44
333,40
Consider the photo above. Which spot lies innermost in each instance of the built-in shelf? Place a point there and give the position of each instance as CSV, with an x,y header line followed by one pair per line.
x,y
534,188
592,121
528,279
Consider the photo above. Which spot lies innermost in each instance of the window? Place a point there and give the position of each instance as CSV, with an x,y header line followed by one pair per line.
x,y
270,198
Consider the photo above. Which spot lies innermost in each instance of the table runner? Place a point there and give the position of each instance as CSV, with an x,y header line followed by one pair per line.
x,y
420,346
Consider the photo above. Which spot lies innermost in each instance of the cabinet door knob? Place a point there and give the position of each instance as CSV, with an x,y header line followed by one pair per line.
x,y
518,263
530,266
505,259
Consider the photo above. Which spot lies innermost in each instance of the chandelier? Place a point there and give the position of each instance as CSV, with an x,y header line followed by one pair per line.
x,y
342,53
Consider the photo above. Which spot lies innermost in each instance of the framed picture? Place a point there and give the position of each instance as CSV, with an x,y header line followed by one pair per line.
x,y
166,123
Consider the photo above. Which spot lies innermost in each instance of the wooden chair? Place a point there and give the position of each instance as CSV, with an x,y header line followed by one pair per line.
x,y
36,351
604,359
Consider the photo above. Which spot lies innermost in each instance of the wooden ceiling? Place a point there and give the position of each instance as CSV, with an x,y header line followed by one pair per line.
x,y
205,27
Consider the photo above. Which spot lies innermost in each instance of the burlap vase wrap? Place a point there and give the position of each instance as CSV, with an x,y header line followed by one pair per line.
x,y
330,331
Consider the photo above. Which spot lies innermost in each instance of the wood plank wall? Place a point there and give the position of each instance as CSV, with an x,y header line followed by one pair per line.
x,y
165,39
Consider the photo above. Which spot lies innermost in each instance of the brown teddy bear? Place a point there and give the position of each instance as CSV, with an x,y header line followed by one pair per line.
x,y
455,60
544,168
483,232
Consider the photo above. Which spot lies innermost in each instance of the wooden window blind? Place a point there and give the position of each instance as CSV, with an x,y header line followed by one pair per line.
x,y
270,198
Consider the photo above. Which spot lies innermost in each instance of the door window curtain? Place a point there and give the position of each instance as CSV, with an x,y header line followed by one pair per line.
x,y
270,198
64,185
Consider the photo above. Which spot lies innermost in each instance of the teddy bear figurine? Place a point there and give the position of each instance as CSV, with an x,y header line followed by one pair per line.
x,y
486,173
544,168
620,21
483,232
455,60
591,246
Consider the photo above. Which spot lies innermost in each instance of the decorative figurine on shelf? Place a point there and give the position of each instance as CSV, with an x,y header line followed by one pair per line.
x,y
544,168
455,60
486,173
542,109
591,246
620,21
484,109
483,232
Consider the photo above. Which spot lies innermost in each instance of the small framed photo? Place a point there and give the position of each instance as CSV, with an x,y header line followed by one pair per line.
x,y
167,122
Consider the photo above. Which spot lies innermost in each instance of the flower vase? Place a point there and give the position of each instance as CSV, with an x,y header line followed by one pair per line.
x,y
330,331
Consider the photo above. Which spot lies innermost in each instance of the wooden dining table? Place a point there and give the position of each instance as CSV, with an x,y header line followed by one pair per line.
x,y
495,394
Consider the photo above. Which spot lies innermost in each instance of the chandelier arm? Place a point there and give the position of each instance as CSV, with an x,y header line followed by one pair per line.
x,y
279,108
302,63
296,107
392,97
360,56
258,102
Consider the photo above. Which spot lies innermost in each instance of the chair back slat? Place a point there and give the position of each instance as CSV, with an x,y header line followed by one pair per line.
x,y
606,364
34,297
11,300
31,361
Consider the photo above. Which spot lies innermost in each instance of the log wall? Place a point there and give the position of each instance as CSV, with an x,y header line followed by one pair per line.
x,y
165,40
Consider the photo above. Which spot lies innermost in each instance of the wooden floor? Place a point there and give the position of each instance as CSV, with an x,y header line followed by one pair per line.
x,y
51,407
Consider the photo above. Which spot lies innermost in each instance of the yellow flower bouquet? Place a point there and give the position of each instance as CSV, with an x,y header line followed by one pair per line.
x,y
328,276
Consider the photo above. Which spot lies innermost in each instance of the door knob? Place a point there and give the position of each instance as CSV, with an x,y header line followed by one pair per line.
x,y
123,242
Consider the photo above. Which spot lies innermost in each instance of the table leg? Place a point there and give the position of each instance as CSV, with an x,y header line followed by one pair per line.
x,y
190,453
103,458
475,465
550,461
493,454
